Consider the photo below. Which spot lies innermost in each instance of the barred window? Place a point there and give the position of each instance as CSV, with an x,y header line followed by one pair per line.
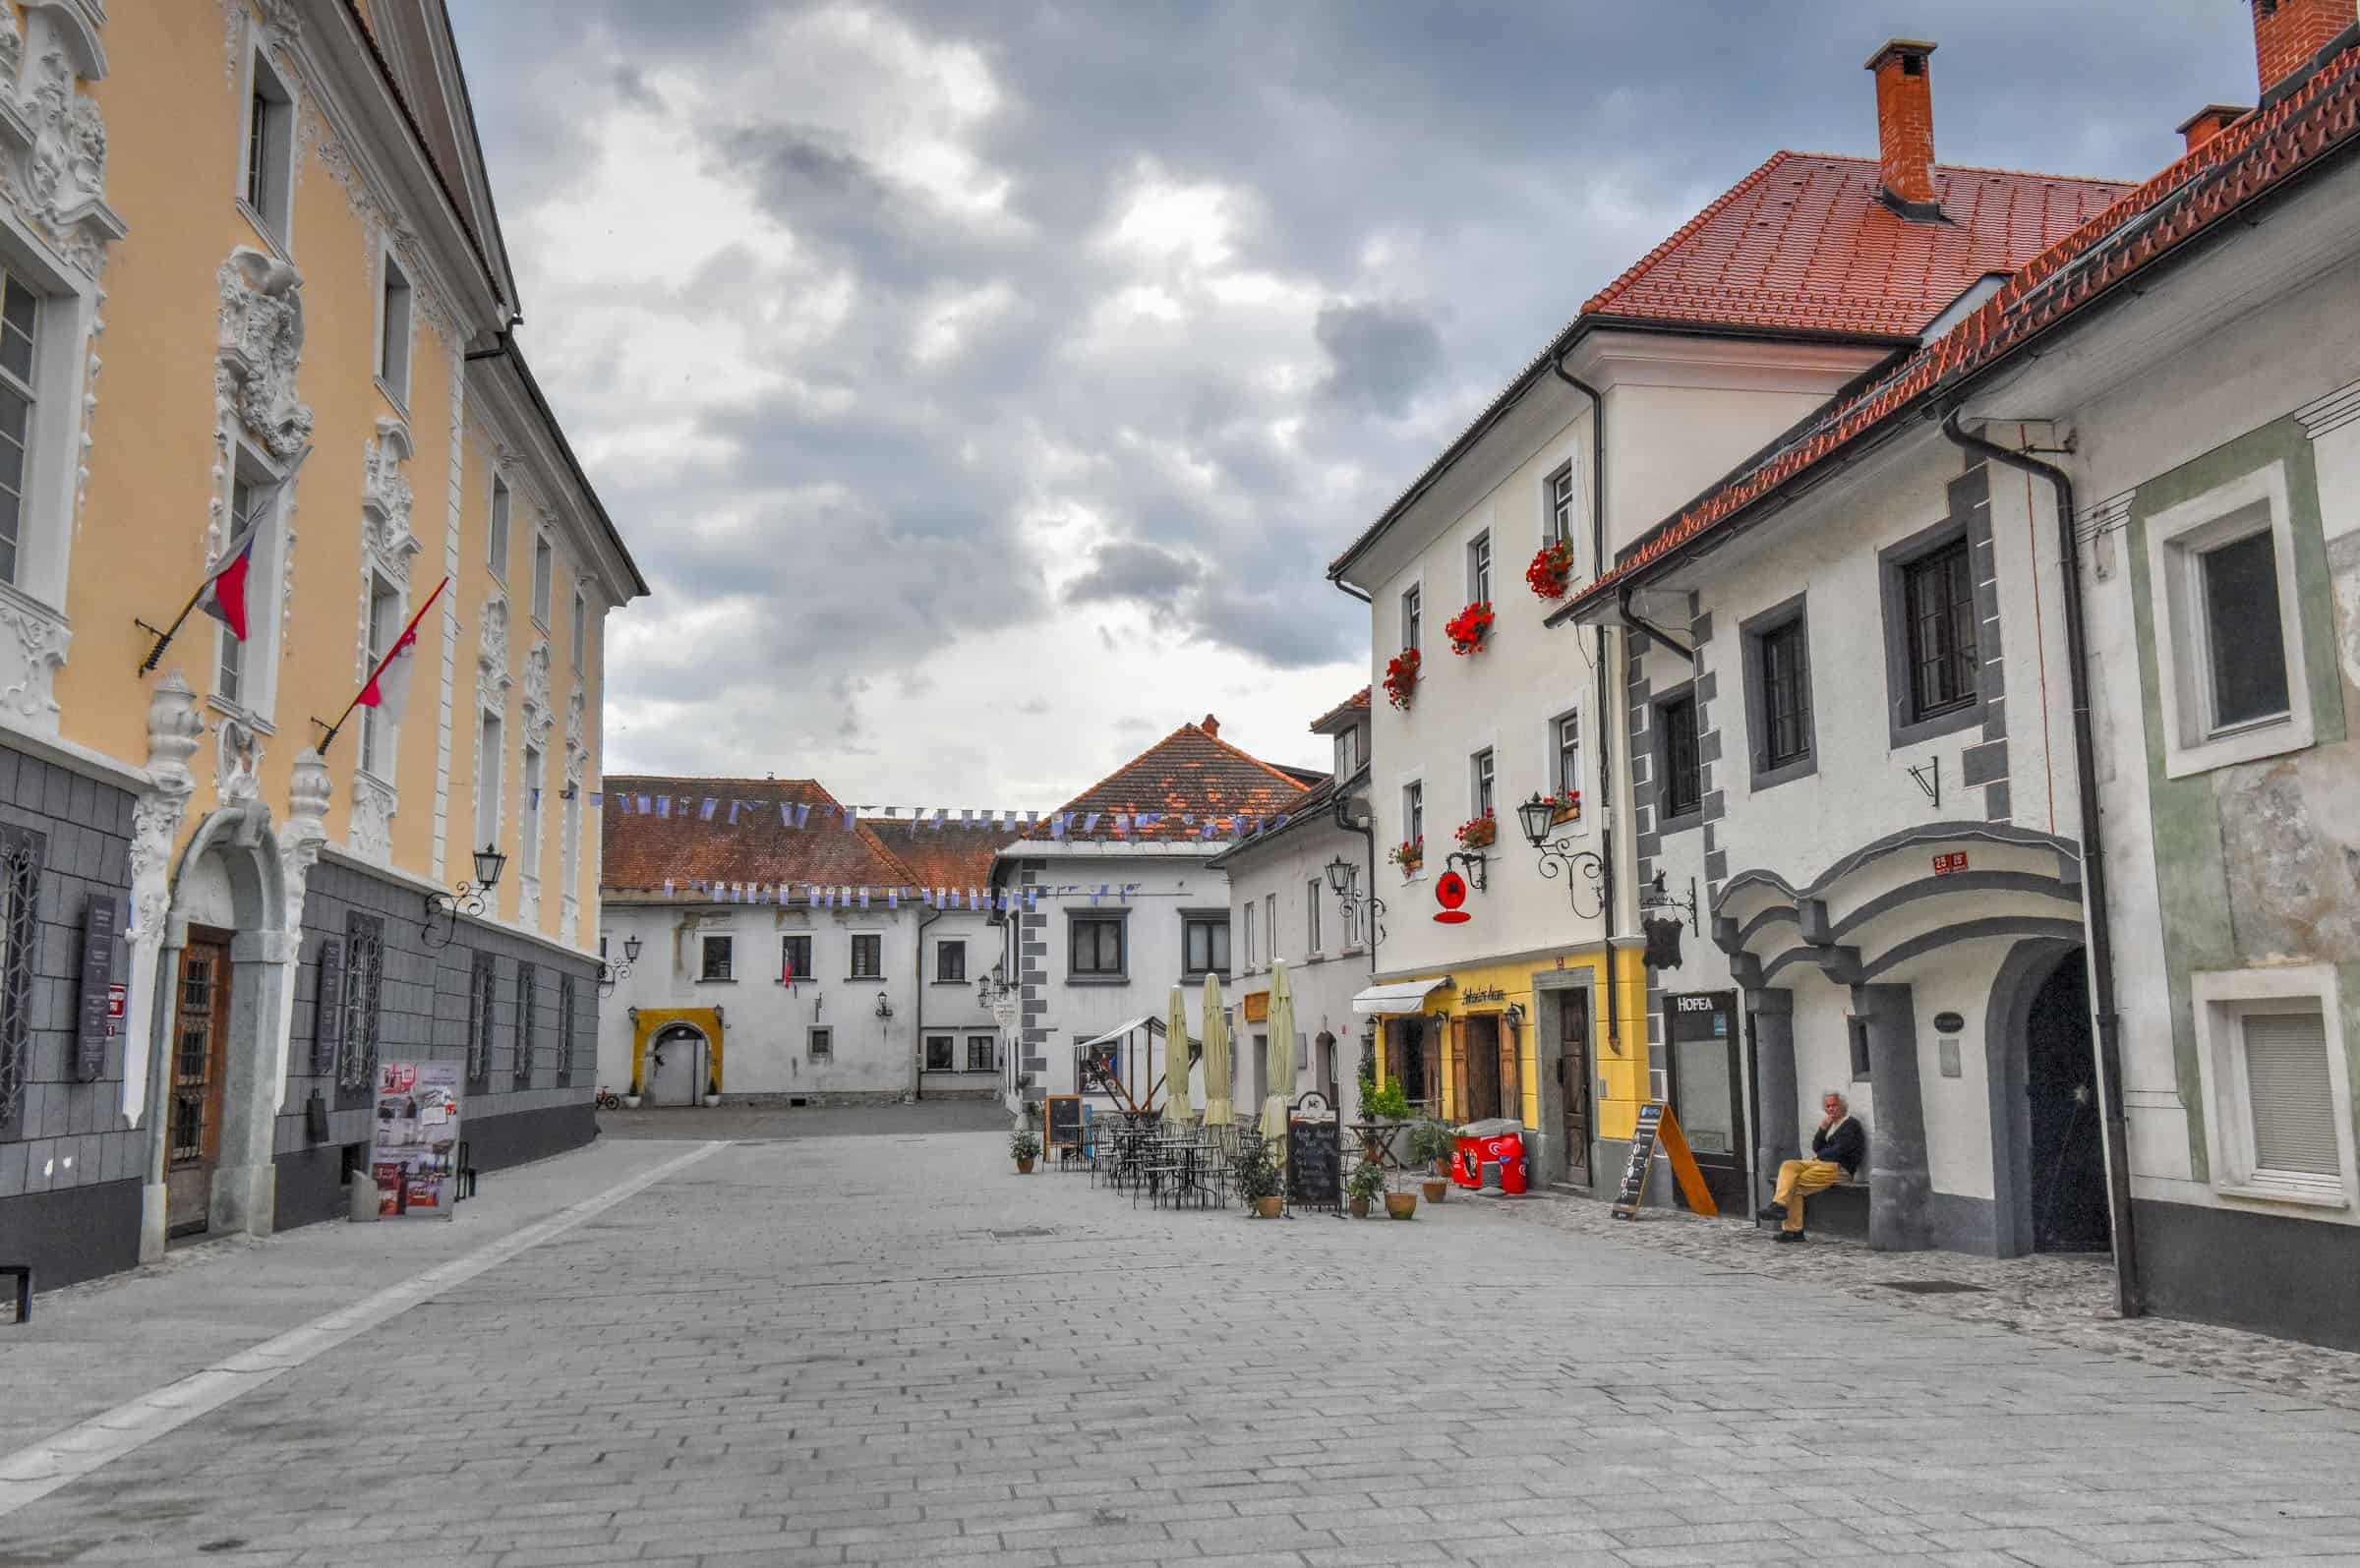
x,y
527,993
20,855
363,984
566,1024
482,1006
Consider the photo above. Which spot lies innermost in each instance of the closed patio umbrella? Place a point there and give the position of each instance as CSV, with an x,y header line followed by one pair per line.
x,y
1218,1111
1278,1062
1176,1108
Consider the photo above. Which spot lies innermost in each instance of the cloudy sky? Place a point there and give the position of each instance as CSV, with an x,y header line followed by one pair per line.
x,y
983,387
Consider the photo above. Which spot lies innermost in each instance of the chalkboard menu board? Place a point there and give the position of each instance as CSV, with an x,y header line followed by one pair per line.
x,y
1065,1120
1315,1162
1643,1154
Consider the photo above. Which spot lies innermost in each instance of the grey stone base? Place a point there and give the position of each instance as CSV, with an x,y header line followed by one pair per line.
x,y
71,1233
785,1101
311,1182
2294,1278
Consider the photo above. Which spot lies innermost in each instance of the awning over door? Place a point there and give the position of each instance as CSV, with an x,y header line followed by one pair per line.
x,y
1402,996
1122,1029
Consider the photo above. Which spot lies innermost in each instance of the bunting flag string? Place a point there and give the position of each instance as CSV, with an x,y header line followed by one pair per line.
x,y
850,897
1062,824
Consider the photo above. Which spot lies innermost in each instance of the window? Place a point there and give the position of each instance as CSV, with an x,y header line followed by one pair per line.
x,y
2228,630
20,325
482,1004
250,503
1483,769
1269,924
565,1031
2293,1109
364,983
941,1053
1562,504
489,760
1938,614
268,176
384,625
1250,960
1565,771
1096,947
497,529
868,958
528,817
718,957
795,959
569,841
950,961
544,566
1412,614
1778,693
22,852
822,1045
1413,811
982,1053
1311,920
528,1023
2276,1083
1205,944
1678,765
394,343
581,629
1479,567
1856,1034
1347,752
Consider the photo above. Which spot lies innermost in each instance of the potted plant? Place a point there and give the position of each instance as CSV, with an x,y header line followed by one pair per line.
x,y
1431,1145
1401,677
1479,833
1409,854
1564,806
1364,1185
1401,1205
1552,570
1025,1148
632,1097
1468,629
1257,1179
712,1092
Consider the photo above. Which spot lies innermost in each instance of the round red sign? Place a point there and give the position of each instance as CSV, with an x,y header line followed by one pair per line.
x,y
1451,890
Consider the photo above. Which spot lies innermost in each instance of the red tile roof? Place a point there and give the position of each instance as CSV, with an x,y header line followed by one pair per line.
x,y
2243,163
642,850
947,856
1802,244
1358,702
1189,774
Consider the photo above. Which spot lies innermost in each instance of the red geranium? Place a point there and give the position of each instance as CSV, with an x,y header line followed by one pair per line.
x,y
1478,833
1469,627
1552,570
1401,678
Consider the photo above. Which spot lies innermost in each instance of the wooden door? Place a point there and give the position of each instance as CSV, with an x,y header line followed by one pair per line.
x,y
200,1058
1511,1072
1573,1077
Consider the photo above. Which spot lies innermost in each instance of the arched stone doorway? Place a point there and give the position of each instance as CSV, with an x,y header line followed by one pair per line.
x,y
676,1064
2050,1172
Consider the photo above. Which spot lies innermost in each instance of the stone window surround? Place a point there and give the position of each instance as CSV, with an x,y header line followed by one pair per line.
x,y
394,380
1752,633
1892,561
1121,917
53,455
939,979
2216,998
2174,537
261,76
853,958
1208,913
1666,824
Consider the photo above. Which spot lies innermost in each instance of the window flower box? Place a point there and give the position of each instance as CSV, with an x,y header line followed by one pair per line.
x,y
1479,833
1564,806
1401,678
1409,854
1470,627
1552,569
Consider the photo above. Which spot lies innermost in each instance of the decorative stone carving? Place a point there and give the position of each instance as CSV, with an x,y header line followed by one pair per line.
x,y
374,803
577,749
386,499
491,647
32,650
238,754
52,137
174,732
261,348
537,715
299,843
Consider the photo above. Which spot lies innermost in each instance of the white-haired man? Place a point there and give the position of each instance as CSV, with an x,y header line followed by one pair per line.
x,y
1837,1149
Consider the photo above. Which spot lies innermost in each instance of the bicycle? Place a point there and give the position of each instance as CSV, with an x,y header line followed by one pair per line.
x,y
608,1099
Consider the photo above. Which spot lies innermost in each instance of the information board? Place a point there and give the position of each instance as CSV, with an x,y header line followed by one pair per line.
x,y
414,1155
1064,1119
102,1019
1315,1161
1657,1124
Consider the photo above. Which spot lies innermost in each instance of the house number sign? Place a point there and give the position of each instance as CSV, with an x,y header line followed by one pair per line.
x,y
1945,864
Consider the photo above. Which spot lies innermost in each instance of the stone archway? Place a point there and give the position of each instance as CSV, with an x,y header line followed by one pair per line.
x,y
2047,1157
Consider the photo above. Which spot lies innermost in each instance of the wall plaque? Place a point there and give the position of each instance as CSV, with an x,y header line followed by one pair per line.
x,y
102,917
328,1019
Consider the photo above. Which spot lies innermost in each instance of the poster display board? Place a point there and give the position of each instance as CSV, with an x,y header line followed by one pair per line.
x,y
414,1156
1657,1124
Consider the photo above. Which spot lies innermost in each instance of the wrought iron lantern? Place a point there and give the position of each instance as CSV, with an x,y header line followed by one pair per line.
x,y
1584,872
609,973
442,910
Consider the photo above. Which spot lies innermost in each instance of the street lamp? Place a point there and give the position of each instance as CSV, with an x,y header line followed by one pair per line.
x,y
610,973
1558,858
467,897
1344,877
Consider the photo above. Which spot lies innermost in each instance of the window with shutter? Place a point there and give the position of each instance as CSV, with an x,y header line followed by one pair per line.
x,y
2289,1094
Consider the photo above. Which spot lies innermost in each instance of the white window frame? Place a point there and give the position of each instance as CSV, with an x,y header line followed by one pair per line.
x,y
53,429
276,220
380,739
1348,749
569,859
1482,564
2222,998
500,521
991,1052
950,1052
581,628
530,773
1403,829
1475,761
2174,539
257,701
1416,586
1581,762
394,286
704,943
1270,921
1313,936
545,576
491,772
1570,466
1247,918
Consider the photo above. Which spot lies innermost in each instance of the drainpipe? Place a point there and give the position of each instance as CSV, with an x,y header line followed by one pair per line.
x,y
918,1058
2128,1293
1605,707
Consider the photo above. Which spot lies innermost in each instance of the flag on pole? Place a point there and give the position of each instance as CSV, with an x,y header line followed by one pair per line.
x,y
388,688
223,596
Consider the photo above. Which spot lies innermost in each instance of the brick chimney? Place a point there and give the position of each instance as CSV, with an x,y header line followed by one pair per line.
x,y
1212,726
2208,122
1905,127
2288,33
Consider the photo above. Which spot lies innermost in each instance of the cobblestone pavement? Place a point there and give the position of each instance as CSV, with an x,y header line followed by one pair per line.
x,y
802,1121
895,1351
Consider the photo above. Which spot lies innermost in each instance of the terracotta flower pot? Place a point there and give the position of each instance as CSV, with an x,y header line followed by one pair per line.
x,y
1266,1208
1436,1190
1024,1167
1360,1208
1401,1205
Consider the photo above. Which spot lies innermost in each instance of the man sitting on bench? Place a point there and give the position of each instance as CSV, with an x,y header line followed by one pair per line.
x,y
1837,1149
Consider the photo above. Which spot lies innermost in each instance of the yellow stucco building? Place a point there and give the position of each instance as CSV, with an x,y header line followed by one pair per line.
x,y
251,272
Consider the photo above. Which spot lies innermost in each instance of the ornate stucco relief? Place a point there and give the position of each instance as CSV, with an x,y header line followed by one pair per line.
x,y
52,137
374,803
537,715
32,650
491,649
262,350
386,501
174,732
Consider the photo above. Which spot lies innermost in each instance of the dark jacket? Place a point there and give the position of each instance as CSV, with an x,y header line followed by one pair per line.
x,y
1846,1145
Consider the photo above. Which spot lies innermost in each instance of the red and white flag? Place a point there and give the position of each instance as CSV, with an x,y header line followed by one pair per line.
x,y
388,688
223,596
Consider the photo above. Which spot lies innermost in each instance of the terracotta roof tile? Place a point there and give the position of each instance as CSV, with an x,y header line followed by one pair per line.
x,y
942,857
2219,178
642,850
1358,702
1188,773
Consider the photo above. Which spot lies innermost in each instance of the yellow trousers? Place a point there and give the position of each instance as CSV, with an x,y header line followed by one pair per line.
x,y
1799,1180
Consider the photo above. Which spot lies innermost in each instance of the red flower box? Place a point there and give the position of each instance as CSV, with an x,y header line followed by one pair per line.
x,y
1552,570
1479,833
1401,678
1469,627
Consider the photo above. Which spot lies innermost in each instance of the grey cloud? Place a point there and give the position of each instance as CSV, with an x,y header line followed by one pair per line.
x,y
1378,355
1128,569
